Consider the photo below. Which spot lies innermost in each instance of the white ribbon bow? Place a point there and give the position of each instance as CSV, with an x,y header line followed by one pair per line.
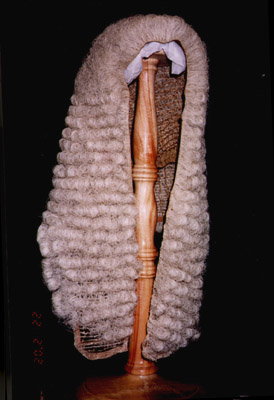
x,y
173,51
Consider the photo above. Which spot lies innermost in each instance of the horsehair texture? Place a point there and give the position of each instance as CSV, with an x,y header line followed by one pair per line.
x,y
87,235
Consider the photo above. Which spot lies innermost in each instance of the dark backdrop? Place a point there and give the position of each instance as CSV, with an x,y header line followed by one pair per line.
x,y
43,46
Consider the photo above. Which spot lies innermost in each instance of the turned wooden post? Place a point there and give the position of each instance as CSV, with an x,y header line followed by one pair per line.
x,y
144,176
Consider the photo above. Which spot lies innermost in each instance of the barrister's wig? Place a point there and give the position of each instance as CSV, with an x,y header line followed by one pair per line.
x,y
87,236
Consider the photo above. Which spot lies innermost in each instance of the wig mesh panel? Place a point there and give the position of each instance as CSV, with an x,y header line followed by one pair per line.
x,y
93,347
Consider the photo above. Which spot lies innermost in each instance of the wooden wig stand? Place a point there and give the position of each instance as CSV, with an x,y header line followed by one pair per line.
x,y
141,381
144,176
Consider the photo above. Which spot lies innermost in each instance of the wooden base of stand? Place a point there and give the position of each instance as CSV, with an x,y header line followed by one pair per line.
x,y
132,387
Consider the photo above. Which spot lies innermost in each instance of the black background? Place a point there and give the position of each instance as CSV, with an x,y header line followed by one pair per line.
x,y
42,47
